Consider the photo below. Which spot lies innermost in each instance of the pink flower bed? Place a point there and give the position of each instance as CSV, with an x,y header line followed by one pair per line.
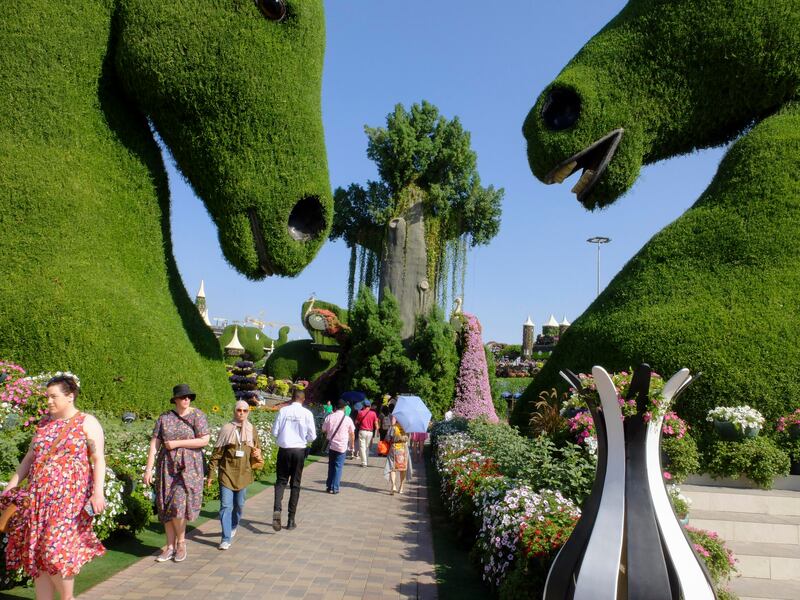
x,y
473,395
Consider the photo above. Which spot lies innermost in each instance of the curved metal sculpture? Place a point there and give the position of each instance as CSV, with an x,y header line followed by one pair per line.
x,y
628,543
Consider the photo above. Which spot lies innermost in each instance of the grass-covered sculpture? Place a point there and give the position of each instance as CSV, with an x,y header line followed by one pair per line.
x,y
89,282
717,290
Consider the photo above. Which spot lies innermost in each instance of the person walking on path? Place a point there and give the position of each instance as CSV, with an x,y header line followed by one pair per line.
x,y
339,429
398,460
231,463
294,429
52,535
176,448
385,421
367,425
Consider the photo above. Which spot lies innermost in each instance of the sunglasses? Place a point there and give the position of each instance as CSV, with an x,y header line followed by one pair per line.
x,y
243,410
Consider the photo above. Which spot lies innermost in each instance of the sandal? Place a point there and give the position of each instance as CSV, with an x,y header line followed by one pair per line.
x,y
180,554
166,555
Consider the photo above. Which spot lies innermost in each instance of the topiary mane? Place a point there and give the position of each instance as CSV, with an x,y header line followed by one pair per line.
x,y
716,291
89,279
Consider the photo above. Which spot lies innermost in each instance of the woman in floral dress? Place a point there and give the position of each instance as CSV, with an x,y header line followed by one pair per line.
x,y
398,459
176,449
52,537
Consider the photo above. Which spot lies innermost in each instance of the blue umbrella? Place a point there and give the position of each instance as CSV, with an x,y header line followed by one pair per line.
x,y
412,414
353,397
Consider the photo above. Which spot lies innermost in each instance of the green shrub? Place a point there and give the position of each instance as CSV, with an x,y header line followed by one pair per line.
x,y
377,362
683,459
296,360
758,458
537,462
13,446
433,349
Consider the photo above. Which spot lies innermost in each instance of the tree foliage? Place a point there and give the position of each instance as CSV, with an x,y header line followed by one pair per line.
x,y
433,349
419,149
377,362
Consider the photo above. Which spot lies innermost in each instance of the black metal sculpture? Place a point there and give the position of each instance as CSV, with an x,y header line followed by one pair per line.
x,y
628,543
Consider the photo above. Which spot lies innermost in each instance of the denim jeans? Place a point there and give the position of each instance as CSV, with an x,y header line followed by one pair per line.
x,y
335,466
231,507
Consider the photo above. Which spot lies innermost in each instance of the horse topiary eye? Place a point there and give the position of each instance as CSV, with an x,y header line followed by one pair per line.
x,y
562,108
274,10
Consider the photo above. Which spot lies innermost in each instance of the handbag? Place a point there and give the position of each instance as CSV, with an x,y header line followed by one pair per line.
x,y
21,499
335,431
383,448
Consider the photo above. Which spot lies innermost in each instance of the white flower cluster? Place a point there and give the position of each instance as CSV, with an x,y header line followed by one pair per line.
x,y
743,417
43,378
502,515
675,493
104,523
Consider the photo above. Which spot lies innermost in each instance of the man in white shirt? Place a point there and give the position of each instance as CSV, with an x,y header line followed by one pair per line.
x,y
294,429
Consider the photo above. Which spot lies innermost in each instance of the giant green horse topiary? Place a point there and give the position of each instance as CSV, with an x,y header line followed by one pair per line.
x,y
89,281
717,290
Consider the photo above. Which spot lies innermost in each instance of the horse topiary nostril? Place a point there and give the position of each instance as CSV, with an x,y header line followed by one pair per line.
x,y
561,109
307,219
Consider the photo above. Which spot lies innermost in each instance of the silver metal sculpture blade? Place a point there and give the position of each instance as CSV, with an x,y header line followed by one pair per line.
x,y
692,578
599,571
631,509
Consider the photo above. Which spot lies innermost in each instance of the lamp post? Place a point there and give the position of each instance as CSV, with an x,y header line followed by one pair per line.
x,y
598,239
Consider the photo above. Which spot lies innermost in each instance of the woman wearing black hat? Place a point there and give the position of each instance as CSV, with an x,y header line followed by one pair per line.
x,y
176,448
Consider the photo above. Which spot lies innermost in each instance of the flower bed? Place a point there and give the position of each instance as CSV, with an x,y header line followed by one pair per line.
x,y
515,501
128,507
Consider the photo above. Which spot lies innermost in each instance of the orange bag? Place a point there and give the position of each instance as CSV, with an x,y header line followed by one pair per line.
x,y
383,447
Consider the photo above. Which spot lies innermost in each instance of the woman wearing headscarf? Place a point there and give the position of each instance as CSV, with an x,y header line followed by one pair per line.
x,y
230,463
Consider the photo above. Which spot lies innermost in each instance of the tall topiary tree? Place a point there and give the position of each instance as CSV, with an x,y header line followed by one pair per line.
x,y
377,362
473,391
409,232
433,349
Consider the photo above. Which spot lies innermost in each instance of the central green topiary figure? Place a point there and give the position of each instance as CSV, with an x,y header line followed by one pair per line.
x,y
717,290
232,88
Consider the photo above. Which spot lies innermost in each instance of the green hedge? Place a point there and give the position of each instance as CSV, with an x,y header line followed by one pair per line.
x,y
296,360
253,339
89,279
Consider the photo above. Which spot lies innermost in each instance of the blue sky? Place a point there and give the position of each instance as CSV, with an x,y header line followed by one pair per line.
x,y
485,63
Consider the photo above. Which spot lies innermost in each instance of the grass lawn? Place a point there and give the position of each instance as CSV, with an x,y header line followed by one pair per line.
x,y
456,575
123,551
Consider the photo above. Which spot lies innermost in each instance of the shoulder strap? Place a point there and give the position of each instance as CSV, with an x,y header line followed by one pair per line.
x,y
335,431
186,421
61,435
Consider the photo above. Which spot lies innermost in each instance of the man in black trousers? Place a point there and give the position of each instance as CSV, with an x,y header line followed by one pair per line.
x,y
294,429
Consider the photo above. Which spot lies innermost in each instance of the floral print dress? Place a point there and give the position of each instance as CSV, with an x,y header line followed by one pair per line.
x,y
55,533
179,472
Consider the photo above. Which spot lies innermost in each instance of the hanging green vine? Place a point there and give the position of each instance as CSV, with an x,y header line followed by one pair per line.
x,y
351,277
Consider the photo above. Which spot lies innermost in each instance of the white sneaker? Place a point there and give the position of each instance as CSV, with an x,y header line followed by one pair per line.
x,y
233,532
224,545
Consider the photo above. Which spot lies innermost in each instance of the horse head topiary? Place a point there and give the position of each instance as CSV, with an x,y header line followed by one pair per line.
x,y
716,290
233,90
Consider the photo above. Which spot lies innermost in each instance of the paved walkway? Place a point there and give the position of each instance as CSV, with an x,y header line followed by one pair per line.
x,y
327,557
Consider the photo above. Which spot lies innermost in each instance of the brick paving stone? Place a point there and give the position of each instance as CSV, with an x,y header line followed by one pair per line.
x,y
328,556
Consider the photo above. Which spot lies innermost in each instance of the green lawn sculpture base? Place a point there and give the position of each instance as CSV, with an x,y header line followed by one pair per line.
x,y
717,290
89,282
